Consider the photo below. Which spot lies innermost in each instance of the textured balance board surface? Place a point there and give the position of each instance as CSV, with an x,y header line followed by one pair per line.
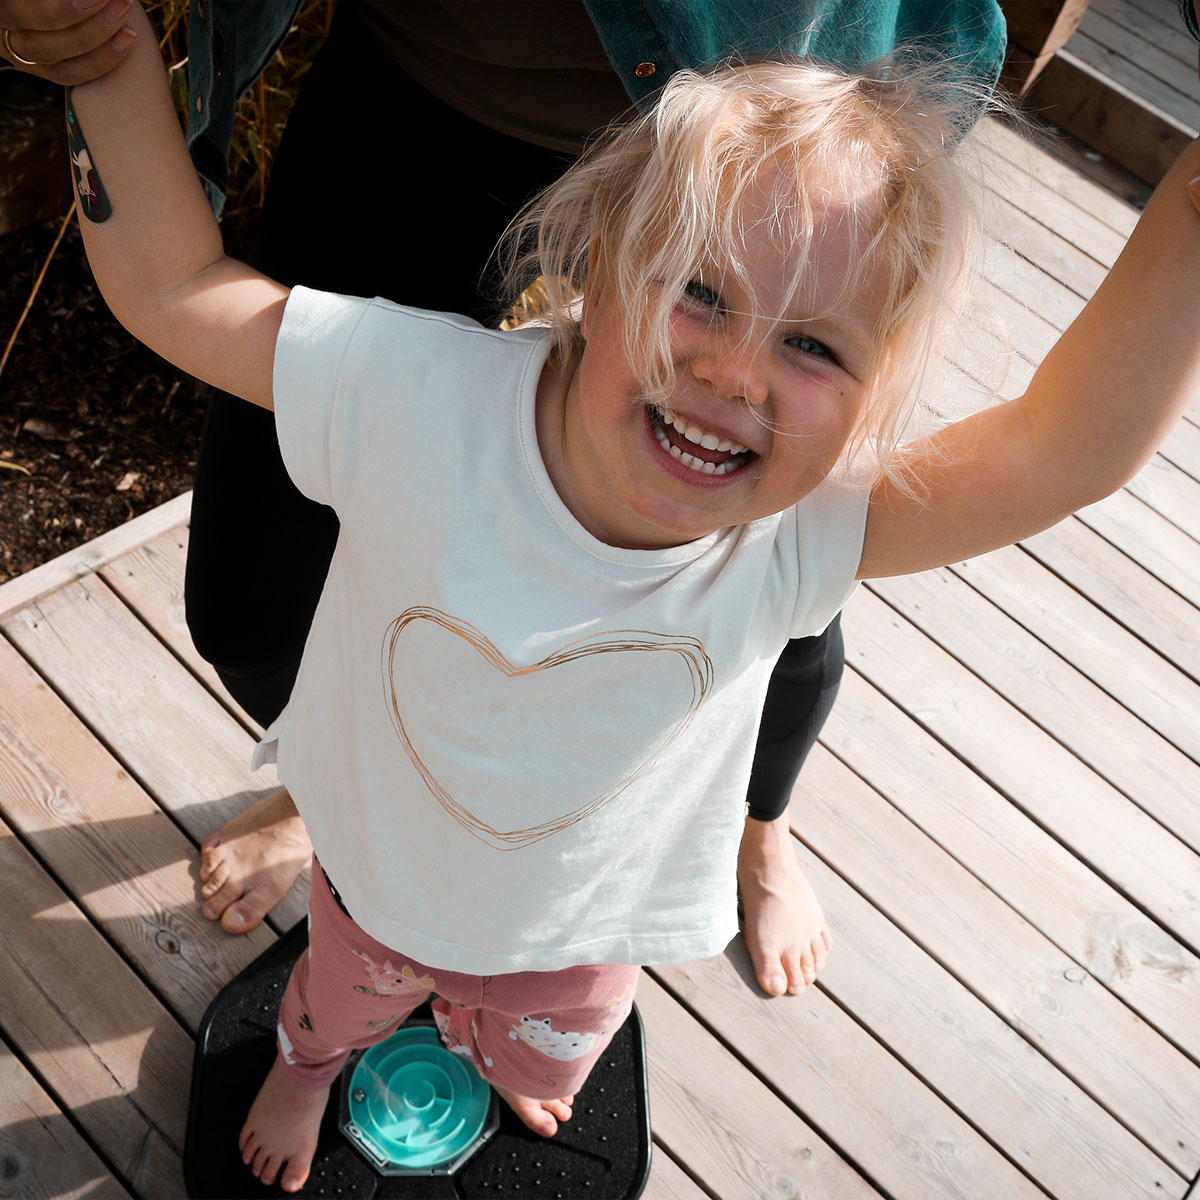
x,y
603,1153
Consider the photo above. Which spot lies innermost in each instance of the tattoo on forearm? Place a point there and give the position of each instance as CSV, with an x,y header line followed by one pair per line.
x,y
93,201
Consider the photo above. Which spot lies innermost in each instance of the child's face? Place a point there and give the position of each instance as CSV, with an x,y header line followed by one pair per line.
x,y
771,418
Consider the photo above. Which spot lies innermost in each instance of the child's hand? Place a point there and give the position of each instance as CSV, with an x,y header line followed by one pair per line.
x,y
65,41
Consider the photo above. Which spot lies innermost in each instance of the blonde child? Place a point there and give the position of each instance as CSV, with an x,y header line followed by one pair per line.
x,y
569,554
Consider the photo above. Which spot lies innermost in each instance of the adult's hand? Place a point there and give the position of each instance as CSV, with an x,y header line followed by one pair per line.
x,y
65,41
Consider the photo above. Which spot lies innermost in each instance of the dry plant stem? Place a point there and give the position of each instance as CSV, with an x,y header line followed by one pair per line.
x,y
37,283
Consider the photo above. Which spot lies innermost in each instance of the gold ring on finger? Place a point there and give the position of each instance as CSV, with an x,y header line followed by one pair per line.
x,y
12,55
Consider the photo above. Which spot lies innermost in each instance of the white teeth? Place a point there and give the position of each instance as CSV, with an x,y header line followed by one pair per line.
x,y
690,460
710,441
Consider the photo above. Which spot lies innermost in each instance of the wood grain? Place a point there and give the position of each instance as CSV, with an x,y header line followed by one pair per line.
x,y
42,1155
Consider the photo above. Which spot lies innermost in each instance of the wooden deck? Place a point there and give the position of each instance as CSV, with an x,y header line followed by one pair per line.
x,y
1002,822
1125,83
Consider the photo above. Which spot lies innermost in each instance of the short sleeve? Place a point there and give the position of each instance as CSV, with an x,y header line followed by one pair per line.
x,y
829,526
314,340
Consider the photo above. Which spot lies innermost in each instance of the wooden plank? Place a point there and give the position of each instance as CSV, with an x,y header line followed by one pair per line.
x,y
1029,334
1171,492
898,1132
111,846
1036,874
1155,24
28,588
1054,255
1141,1079
1164,549
42,1156
1124,666
1013,1095
1093,245
1057,196
667,1180
1141,65
154,717
1032,152
736,1136
1123,588
1182,448
90,1029
1036,29
1112,835
1074,95
1036,290
1114,742
150,581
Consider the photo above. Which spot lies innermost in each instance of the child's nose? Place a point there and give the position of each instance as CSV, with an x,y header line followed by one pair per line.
x,y
734,370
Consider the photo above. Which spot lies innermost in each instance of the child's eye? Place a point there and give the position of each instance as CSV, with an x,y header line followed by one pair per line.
x,y
701,294
807,345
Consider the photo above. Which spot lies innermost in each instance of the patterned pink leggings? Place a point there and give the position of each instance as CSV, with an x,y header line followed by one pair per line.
x,y
537,1033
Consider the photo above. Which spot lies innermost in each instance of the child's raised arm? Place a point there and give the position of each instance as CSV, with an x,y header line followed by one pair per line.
x,y
150,236
1103,400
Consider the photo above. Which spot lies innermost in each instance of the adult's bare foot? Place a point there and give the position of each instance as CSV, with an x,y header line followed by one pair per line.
x,y
247,866
783,923
281,1131
542,1116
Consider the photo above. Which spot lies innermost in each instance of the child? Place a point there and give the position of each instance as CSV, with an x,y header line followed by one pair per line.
x,y
604,529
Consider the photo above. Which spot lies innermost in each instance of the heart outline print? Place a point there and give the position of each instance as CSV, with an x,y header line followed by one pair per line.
x,y
620,641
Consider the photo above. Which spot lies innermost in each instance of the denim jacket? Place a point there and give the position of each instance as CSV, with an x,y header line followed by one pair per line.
x,y
231,41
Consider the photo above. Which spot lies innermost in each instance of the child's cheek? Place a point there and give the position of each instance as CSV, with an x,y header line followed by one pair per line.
x,y
818,403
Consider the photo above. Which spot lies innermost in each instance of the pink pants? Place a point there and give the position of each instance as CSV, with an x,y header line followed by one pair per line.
x,y
537,1033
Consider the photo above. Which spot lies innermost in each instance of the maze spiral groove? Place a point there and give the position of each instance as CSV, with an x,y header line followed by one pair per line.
x,y
415,1102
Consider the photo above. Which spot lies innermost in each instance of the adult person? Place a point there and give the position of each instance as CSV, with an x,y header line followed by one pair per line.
x,y
448,116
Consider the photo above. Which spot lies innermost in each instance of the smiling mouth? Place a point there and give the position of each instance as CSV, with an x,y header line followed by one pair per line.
x,y
697,449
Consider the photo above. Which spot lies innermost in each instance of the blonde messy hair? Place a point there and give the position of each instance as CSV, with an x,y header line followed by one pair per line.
x,y
661,195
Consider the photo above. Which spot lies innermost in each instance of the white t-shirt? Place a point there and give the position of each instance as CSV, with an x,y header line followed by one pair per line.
x,y
516,747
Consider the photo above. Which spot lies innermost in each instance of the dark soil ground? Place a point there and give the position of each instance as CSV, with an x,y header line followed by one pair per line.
x,y
94,428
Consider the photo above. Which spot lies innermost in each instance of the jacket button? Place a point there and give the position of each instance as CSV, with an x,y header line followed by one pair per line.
x,y
644,70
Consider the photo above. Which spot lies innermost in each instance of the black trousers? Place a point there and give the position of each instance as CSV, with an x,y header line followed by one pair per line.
x,y
380,189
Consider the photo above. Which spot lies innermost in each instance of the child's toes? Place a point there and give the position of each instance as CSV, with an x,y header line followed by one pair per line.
x,y
538,1115
538,1118
266,1168
248,1145
293,1179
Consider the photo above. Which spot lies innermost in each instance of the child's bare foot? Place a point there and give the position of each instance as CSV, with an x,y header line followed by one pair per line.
x,y
281,1131
783,923
247,866
542,1116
